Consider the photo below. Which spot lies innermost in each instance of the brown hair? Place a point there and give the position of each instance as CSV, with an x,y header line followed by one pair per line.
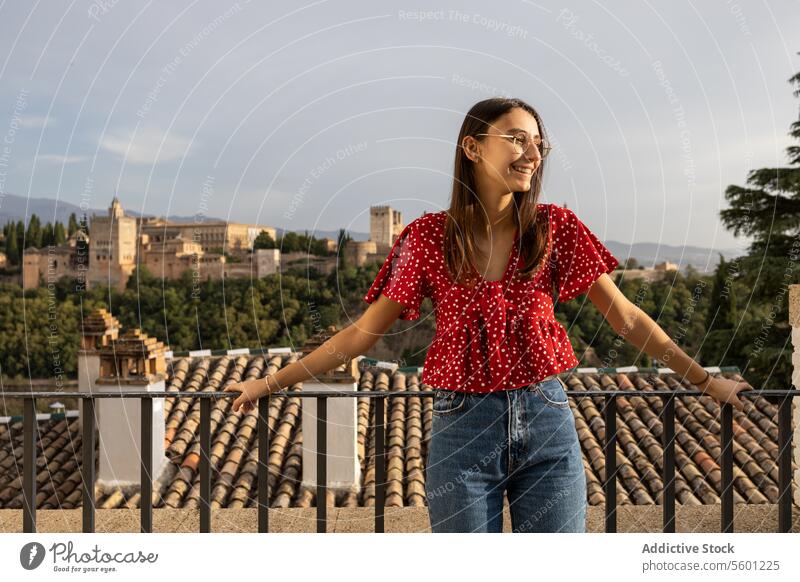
x,y
464,217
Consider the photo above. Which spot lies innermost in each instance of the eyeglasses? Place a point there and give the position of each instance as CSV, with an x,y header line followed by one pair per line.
x,y
521,144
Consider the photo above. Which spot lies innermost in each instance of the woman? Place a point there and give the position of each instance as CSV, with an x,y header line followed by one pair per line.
x,y
491,264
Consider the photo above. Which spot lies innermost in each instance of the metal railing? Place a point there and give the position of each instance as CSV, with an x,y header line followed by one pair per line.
x,y
667,417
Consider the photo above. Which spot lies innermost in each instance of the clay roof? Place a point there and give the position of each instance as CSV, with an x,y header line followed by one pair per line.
x,y
99,322
234,447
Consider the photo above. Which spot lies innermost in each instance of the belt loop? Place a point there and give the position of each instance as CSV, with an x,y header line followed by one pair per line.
x,y
534,384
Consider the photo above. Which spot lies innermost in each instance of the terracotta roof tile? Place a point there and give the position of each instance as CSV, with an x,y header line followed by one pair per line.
x,y
234,447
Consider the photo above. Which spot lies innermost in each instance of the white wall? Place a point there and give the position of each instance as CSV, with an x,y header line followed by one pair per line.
x,y
120,435
344,469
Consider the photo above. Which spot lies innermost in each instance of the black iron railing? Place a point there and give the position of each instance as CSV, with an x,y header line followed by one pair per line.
x,y
782,398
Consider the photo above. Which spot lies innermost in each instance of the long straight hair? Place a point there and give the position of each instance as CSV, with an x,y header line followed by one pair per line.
x,y
465,215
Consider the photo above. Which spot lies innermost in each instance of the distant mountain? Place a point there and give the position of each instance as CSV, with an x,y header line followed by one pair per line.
x,y
702,259
13,207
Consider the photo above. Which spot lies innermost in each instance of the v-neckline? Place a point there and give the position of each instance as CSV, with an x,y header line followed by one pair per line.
x,y
509,263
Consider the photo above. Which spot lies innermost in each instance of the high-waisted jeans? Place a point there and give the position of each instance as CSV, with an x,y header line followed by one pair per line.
x,y
522,442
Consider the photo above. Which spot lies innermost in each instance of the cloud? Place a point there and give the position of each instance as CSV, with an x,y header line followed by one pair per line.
x,y
59,159
36,121
148,146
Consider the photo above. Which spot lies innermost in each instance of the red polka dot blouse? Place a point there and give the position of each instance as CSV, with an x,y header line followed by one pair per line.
x,y
499,334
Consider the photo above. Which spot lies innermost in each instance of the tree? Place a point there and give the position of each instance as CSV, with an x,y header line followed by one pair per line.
x,y
47,237
290,242
141,276
72,224
59,237
631,263
722,310
20,236
33,236
767,209
341,242
12,250
722,315
264,241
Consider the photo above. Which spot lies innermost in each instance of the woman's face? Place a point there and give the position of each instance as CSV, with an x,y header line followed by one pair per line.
x,y
501,167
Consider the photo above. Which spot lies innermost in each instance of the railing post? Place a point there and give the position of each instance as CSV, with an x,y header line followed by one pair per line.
x,y
146,452
668,477
727,467
380,463
262,432
610,479
205,465
322,457
29,430
785,464
87,466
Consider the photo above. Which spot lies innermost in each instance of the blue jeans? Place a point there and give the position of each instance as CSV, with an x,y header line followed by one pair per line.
x,y
522,442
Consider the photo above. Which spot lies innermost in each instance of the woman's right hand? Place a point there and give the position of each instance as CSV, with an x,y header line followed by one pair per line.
x,y
251,391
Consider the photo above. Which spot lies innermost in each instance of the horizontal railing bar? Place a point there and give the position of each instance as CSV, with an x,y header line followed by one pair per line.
x,y
381,394
609,479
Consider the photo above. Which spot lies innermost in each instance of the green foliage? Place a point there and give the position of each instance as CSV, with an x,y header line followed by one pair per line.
x,y
12,248
39,327
38,333
678,303
264,241
59,235
631,263
757,336
72,224
18,238
292,242
33,236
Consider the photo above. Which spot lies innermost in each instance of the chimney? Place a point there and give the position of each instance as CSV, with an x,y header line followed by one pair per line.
x,y
343,467
794,321
131,363
99,329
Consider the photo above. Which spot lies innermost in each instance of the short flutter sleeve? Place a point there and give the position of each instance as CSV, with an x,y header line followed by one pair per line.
x,y
580,256
402,277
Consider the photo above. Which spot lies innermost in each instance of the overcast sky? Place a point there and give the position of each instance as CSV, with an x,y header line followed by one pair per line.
x,y
301,116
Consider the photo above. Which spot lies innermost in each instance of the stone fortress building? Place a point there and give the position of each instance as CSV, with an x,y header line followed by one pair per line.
x,y
385,223
210,249
117,243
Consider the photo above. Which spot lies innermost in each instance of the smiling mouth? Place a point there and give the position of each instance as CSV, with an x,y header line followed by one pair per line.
x,y
522,171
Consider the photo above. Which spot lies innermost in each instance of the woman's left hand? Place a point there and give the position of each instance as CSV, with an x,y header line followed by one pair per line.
x,y
725,390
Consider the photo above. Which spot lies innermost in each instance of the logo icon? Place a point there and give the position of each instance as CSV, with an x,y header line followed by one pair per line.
x,y
31,555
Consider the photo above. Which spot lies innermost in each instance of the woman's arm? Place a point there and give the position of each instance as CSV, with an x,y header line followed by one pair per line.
x,y
352,341
636,327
